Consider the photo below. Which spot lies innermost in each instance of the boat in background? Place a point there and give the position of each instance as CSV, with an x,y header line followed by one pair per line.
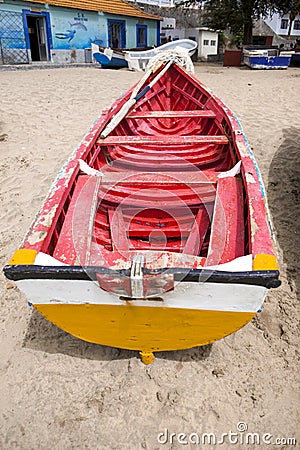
x,y
155,234
295,60
138,60
267,58
109,58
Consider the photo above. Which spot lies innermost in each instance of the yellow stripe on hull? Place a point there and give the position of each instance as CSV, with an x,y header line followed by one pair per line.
x,y
144,328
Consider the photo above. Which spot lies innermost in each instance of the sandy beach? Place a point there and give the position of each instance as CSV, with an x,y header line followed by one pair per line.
x,y
58,392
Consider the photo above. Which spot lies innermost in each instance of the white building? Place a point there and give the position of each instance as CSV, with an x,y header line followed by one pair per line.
x,y
206,39
280,25
167,23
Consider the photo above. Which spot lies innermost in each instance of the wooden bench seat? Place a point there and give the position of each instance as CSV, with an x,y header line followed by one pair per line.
x,y
162,140
189,178
170,114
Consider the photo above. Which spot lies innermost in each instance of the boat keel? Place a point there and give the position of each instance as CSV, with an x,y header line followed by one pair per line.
x,y
147,357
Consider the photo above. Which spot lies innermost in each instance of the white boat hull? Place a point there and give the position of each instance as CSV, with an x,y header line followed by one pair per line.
x,y
199,296
139,60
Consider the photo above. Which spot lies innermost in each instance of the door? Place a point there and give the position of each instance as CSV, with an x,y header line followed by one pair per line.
x,y
141,35
37,38
41,33
116,33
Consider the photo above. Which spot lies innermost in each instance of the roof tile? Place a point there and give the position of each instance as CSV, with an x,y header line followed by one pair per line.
x,y
118,7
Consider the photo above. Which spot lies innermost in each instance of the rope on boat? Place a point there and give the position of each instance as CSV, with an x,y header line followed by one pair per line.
x,y
179,56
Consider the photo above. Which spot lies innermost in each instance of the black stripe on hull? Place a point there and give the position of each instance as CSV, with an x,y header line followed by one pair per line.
x,y
265,278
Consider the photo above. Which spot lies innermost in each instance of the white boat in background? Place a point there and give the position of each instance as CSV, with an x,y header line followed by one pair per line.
x,y
138,60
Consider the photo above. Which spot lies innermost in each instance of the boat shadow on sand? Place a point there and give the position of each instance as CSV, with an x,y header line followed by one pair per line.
x,y
283,197
43,336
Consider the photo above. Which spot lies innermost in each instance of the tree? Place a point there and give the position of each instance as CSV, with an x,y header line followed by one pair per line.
x,y
236,15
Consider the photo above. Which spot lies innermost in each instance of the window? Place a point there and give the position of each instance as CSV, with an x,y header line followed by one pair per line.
x,y
205,42
213,43
284,24
297,24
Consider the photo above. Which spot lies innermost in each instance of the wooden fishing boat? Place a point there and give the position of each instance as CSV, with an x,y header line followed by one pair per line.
x,y
155,234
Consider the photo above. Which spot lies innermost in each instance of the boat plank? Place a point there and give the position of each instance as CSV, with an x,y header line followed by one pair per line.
x,y
170,114
164,178
197,234
118,230
66,249
162,140
227,233
183,94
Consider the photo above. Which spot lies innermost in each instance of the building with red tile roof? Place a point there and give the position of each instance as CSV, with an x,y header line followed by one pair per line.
x,y
117,7
62,31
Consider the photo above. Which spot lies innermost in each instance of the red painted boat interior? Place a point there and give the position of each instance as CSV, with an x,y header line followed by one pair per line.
x,y
160,189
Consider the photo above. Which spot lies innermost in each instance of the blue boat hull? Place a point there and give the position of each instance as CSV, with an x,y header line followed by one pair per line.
x,y
267,62
113,63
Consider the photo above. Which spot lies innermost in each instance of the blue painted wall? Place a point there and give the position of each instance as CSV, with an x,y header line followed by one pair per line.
x,y
76,29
